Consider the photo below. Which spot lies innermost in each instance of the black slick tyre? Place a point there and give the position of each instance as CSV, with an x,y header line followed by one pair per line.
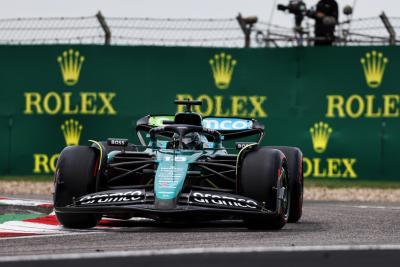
x,y
296,180
75,176
262,171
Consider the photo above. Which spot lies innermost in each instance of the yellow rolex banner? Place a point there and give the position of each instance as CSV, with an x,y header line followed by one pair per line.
x,y
340,105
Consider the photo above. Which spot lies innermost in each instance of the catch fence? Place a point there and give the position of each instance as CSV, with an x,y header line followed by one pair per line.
x,y
226,32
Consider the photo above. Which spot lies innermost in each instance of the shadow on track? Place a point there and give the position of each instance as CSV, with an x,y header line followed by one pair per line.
x,y
148,225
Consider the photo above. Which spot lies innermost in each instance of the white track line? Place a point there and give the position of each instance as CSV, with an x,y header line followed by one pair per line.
x,y
185,251
391,206
24,202
29,227
49,230
369,207
50,235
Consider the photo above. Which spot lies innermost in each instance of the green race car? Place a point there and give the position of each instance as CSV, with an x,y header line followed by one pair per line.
x,y
182,170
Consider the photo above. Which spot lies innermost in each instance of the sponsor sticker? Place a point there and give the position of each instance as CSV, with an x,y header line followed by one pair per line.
x,y
117,142
223,200
112,197
175,158
227,124
241,145
159,120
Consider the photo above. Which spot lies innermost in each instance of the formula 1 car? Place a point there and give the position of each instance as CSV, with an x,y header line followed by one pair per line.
x,y
182,172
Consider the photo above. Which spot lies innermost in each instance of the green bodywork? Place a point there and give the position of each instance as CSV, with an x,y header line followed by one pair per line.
x,y
171,171
173,165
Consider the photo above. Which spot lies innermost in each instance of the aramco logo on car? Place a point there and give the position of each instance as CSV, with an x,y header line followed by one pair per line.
x,y
223,66
227,124
322,166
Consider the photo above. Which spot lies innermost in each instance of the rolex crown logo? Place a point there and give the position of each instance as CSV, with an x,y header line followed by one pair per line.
x,y
71,64
374,67
320,134
222,67
72,130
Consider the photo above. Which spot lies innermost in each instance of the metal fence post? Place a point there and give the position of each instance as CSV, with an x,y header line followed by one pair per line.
x,y
104,26
389,28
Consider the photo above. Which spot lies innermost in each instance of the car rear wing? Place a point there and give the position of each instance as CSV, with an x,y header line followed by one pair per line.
x,y
229,127
234,127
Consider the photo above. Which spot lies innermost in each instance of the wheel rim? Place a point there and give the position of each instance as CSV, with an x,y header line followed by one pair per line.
x,y
286,197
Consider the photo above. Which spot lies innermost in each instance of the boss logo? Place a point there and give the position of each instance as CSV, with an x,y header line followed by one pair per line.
x,y
117,142
240,145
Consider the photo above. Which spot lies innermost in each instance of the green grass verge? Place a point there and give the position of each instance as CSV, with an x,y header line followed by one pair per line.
x,y
18,217
309,182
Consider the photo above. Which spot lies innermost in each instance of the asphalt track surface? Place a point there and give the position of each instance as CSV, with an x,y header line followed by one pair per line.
x,y
329,234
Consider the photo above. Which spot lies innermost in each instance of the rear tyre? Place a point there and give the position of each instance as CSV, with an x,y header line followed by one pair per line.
x,y
75,176
296,180
263,171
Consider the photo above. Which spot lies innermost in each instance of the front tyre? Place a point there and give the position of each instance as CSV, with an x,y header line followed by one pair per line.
x,y
262,173
75,176
296,179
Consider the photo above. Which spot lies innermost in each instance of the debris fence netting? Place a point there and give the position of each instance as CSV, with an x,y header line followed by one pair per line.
x,y
82,30
185,32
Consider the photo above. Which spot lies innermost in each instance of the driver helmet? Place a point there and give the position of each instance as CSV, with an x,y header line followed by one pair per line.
x,y
192,141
